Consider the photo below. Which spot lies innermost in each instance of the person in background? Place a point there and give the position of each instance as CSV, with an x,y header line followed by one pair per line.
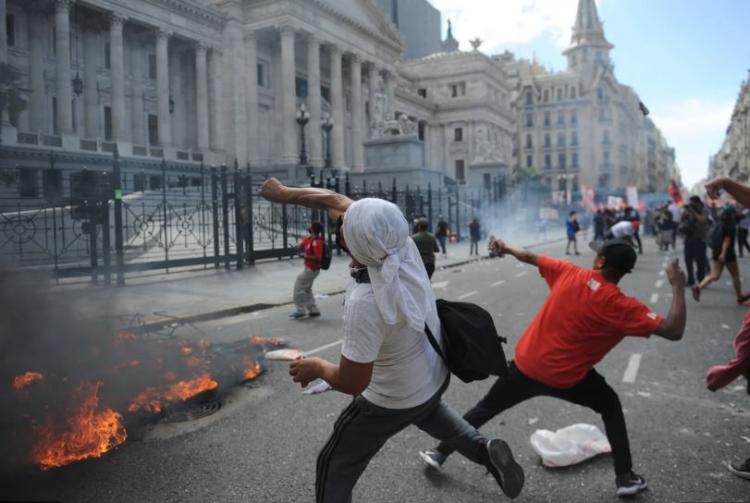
x,y
667,227
624,230
676,212
631,215
599,225
694,225
475,233
572,228
312,247
723,236
427,245
441,233
743,226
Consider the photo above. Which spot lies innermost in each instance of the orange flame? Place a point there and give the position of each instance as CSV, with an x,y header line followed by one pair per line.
x,y
91,432
124,335
20,382
186,350
252,369
152,399
257,339
204,344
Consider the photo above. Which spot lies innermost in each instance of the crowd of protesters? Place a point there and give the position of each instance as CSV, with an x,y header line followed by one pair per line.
x,y
397,378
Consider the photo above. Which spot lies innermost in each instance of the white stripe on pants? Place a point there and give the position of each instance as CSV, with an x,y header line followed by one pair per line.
x,y
303,296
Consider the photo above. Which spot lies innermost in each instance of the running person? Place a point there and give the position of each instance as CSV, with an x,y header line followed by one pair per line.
x,y
572,227
312,247
583,318
387,363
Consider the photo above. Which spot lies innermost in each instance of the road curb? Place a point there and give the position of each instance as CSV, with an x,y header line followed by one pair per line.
x,y
262,306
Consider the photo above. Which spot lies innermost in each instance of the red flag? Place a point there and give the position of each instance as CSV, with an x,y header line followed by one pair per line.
x,y
675,193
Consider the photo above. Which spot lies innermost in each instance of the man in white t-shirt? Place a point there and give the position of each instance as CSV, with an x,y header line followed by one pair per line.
x,y
387,363
623,230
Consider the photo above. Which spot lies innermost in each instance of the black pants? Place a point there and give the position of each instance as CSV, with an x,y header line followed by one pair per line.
x,y
742,240
637,238
474,246
695,253
430,266
592,392
441,240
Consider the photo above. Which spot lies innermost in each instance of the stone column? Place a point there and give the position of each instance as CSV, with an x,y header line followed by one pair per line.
x,y
358,153
314,100
253,139
201,96
372,90
239,105
90,85
62,58
390,93
162,87
215,93
120,127
288,97
139,64
3,34
38,99
337,107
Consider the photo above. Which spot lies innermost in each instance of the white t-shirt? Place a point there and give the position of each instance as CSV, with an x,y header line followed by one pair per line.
x,y
407,371
622,229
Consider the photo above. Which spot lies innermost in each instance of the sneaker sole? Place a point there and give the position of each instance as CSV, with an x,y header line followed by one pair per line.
x,y
741,474
511,474
429,461
626,492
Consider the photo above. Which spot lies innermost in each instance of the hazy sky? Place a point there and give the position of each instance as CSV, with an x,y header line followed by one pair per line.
x,y
685,58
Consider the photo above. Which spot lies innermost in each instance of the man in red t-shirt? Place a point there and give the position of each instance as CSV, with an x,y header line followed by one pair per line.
x,y
583,318
312,246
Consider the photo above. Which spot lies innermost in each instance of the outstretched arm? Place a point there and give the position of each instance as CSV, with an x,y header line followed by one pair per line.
x,y
311,197
673,326
737,190
522,255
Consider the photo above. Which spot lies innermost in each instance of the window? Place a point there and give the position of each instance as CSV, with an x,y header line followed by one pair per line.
x,y
547,161
574,139
458,134
51,184
152,66
574,117
529,120
460,175
572,93
574,159
606,157
600,93
529,98
10,29
545,95
261,69
561,161
605,137
139,182
27,183
153,130
529,142
325,93
560,139
529,161
547,141
107,55
154,182
458,89
487,181
547,119
54,114
559,94
560,118
300,87
422,92
107,123
561,184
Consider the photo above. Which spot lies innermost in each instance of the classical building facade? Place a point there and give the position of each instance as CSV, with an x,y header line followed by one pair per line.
x,y
733,158
581,126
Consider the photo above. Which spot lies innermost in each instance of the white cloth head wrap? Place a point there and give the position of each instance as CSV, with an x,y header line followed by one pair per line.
x,y
377,235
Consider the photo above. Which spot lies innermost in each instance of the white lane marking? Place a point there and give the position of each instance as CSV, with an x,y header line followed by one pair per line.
x,y
322,348
521,274
654,298
659,283
440,285
497,283
467,295
631,371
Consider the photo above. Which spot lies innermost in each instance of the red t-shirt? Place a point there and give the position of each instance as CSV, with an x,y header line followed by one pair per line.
x,y
314,247
583,318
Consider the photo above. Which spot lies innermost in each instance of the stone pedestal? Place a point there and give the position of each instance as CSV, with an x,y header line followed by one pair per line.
x,y
395,153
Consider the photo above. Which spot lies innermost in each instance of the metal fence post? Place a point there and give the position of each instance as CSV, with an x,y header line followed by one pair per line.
x,y
394,192
102,215
238,218
284,227
250,217
164,210
117,189
429,205
215,213
458,215
225,215
347,187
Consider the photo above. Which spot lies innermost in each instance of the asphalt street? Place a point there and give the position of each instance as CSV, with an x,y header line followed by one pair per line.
x,y
262,445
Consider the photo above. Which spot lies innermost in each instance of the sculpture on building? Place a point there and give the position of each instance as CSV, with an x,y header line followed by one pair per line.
x,y
485,150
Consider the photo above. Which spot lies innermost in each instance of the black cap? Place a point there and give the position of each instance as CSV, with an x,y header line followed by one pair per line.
x,y
618,254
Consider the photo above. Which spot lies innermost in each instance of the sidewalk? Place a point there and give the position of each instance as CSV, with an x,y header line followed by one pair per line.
x,y
216,293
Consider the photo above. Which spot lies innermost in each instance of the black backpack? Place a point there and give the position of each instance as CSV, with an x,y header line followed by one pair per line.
x,y
473,349
325,260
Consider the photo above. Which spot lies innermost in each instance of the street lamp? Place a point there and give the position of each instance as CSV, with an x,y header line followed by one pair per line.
x,y
327,125
303,117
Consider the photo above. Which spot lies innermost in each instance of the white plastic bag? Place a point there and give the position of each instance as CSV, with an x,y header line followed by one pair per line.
x,y
569,445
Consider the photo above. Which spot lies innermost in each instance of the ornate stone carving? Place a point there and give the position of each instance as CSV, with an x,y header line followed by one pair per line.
x,y
403,126
485,150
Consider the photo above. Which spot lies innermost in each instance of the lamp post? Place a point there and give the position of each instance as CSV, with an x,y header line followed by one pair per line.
x,y
327,124
303,117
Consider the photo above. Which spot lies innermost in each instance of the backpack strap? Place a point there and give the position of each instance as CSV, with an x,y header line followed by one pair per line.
x,y
434,344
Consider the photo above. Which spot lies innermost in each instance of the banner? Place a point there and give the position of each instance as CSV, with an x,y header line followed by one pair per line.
x,y
587,198
615,203
631,195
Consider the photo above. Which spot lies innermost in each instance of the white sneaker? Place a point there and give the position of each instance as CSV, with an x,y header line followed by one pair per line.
x,y
433,459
